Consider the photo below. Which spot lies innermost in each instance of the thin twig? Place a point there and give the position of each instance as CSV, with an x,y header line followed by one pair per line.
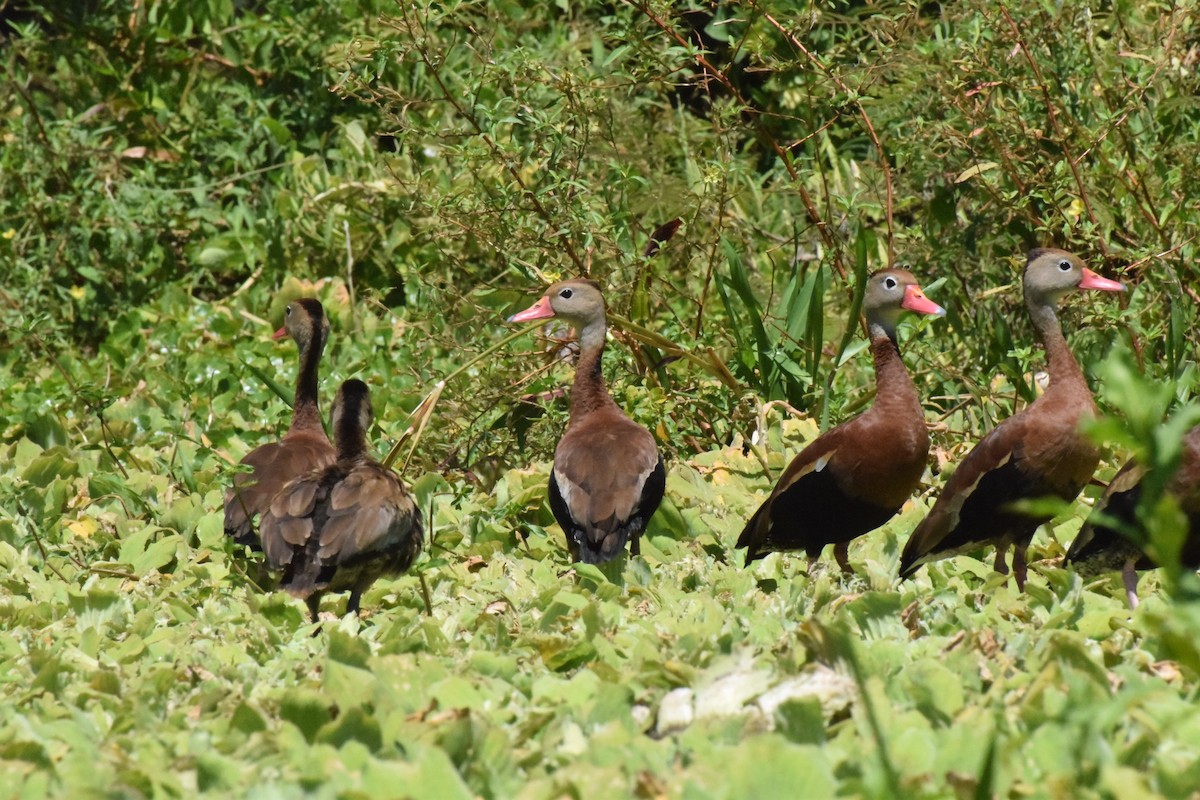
x,y
37,538
116,573
254,276
37,119
810,207
509,166
108,447
349,271
722,208
862,112
1059,133
427,405
425,594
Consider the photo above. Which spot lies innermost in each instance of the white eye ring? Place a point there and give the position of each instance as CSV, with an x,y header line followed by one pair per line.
x,y
889,283
1064,265
565,294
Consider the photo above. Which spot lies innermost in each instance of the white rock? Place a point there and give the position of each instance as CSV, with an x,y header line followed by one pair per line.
x,y
728,695
833,690
675,711
574,743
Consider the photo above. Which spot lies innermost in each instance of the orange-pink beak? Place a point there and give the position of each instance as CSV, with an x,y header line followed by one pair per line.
x,y
1093,281
915,300
539,310
279,334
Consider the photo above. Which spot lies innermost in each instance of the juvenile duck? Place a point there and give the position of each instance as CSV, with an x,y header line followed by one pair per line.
x,y
341,528
305,445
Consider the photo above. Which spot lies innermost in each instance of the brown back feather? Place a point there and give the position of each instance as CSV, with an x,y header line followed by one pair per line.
x,y
273,466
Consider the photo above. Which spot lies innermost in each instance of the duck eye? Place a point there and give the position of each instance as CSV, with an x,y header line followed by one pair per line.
x,y
565,293
889,283
1064,265
288,313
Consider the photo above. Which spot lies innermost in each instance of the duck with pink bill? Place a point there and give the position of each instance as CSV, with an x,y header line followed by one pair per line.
x,y
853,478
608,478
1037,453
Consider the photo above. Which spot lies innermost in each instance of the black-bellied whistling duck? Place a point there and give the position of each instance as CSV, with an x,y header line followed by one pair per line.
x,y
1036,453
341,528
305,445
1101,547
608,478
855,477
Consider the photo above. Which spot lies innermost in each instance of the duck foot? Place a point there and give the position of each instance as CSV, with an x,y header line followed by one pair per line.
x,y
841,552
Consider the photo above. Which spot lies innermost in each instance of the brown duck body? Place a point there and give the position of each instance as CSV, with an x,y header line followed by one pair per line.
x,y
1037,453
304,447
851,479
343,527
856,476
1101,546
608,479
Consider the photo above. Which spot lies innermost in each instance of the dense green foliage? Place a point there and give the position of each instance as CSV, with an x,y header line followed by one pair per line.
x,y
172,173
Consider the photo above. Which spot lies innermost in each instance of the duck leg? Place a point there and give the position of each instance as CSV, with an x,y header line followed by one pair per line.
x,y
1018,565
1129,577
841,551
635,546
999,565
355,601
313,601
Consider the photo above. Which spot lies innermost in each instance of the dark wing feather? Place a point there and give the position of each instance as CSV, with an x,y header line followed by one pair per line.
x,y
370,515
967,512
845,483
607,481
295,513
341,528
1100,545
1027,456
810,513
273,465
802,481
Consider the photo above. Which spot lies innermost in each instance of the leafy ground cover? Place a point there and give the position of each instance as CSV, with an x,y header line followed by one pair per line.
x,y
174,173
141,655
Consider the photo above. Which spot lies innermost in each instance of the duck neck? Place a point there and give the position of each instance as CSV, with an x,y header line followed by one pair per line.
x,y
589,393
893,386
306,410
351,443
1061,365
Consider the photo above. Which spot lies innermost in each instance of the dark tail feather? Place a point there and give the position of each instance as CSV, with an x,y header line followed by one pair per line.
x,y
750,538
909,567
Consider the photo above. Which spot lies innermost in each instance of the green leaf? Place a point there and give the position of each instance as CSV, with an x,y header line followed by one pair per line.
x,y
281,391
801,721
355,725
307,710
937,690
561,659
48,466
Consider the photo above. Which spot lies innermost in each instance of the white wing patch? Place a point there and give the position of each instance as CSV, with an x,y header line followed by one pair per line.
x,y
569,490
